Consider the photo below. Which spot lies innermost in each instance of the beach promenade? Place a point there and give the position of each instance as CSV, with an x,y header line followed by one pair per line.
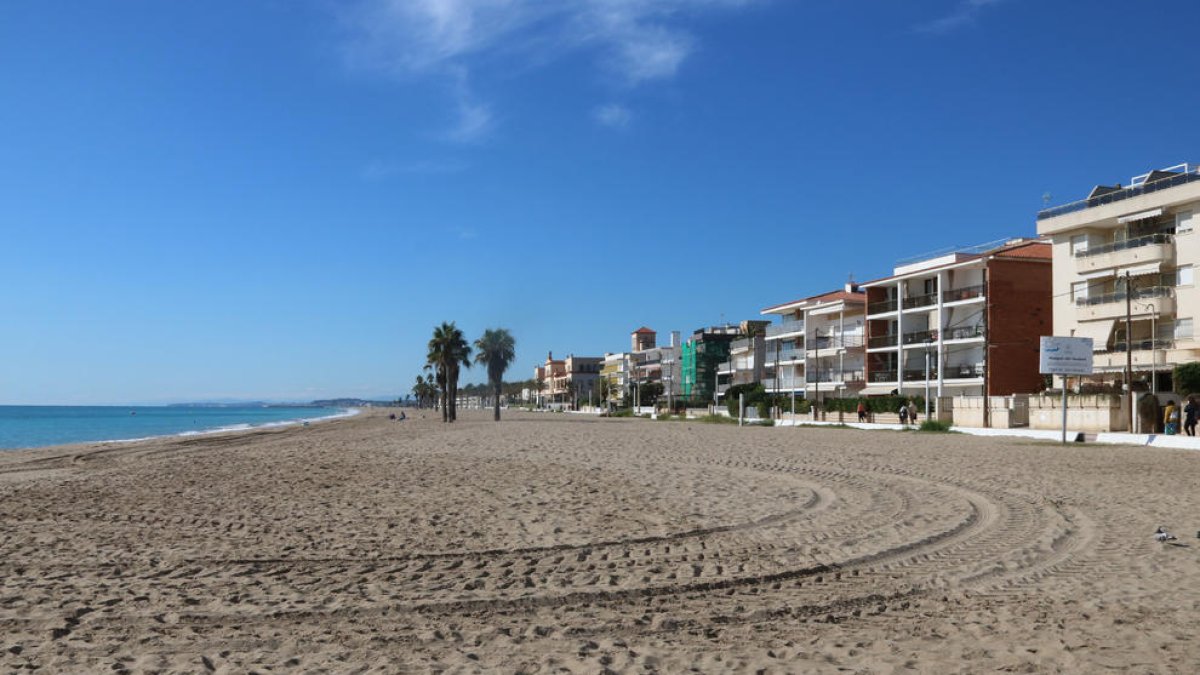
x,y
560,543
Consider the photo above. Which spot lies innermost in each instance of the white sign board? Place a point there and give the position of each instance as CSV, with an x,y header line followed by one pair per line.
x,y
1065,356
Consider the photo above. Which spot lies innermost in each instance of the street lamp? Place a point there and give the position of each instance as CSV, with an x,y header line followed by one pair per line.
x,y
928,349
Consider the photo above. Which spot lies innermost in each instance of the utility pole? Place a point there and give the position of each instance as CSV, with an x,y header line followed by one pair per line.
x,y
1129,346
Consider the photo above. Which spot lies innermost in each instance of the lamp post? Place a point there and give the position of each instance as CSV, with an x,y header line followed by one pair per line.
x,y
928,346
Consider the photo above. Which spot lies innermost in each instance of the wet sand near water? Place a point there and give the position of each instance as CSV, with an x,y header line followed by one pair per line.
x,y
556,543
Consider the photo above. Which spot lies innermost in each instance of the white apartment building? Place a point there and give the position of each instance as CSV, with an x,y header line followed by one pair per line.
x,y
928,323
817,349
1130,251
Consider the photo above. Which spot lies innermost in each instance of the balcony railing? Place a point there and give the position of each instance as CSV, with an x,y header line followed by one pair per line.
x,y
783,383
1119,296
879,341
887,374
835,342
919,336
920,301
1124,245
881,307
726,367
1143,345
784,354
1188,175
784,327
963,332
744,343
957,294
836,376
919,375
964,371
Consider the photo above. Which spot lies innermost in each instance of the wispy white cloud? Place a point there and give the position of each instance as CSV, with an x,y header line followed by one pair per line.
x,y
964,13
613,115
635,41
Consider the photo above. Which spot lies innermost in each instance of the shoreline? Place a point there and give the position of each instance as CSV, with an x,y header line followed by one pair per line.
x,y
344,413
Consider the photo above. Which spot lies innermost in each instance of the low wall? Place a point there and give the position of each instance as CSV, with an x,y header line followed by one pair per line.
x,y
1004,412
1092,414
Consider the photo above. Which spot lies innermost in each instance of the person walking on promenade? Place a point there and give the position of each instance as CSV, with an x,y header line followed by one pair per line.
x,y
912,412
904,413
1190,412
862,410
1171,418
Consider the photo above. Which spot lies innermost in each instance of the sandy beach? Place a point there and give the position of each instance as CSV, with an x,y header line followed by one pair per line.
x,y
554,543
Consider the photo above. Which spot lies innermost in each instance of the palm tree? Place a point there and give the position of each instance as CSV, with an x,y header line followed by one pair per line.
x,y
448,352
496,350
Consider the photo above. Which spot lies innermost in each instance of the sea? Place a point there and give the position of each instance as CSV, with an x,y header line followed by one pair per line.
x,y
39,426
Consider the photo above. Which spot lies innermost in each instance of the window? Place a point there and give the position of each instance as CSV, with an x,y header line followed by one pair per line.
x,y
1079,290
1183,275
1183,222
1183,329
1079,244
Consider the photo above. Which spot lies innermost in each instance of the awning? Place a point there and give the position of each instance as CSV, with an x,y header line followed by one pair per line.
x,y
1099,331
1139,270
877,389
1142,215
1099,274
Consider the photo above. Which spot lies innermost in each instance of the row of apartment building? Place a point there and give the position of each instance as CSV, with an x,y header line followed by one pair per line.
x,y
1117,266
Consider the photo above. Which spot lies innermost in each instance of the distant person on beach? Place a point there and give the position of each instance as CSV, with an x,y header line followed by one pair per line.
x,y
1190,412
904,413
1171,418
862,410
403,416
912,412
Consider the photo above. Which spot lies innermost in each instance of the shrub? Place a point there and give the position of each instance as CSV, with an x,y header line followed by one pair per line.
x,y
935,426
716,419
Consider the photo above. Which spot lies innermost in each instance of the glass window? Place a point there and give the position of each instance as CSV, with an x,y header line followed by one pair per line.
x,y
1183,276
1079,244
1183,328
1183,222
1079,290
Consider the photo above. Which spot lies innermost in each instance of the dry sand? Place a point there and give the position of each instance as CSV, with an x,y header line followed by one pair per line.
x,y
550,543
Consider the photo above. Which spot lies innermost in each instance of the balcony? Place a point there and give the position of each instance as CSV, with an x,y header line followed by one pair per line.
x,y
725,368
961,294
788,353
1146,301
784,328
963,333
739,345
835,342
919,375
836,376
1148,249
783,383
882,307
919,301
920,337
883,341
1141,345
965,371
887,374
1187,175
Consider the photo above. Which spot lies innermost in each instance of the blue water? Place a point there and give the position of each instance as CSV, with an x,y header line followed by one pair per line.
x,y
38,426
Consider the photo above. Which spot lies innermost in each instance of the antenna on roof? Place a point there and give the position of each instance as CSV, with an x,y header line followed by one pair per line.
x,y
1046,199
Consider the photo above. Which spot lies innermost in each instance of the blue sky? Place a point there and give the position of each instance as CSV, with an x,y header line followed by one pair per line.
x,y
267,199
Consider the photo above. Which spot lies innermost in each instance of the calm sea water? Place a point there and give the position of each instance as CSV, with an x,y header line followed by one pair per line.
x,y
37,426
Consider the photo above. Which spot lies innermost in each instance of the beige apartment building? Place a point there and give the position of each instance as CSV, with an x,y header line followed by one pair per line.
x,y
1130,250
817,350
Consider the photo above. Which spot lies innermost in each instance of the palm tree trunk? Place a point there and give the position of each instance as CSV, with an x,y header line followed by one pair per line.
x,y
445,396
496,410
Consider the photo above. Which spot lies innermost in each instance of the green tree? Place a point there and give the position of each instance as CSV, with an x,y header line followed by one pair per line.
x,y
448,353
1187,378
495,350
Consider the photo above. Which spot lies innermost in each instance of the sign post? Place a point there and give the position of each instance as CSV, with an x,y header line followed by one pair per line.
x,y
1065,356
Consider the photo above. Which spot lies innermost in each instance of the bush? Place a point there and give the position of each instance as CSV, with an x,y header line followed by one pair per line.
x,y
936,426
875,404
716,419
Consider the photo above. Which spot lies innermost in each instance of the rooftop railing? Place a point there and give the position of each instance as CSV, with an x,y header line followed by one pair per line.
x,y
1119,296
1124,245
1188,175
